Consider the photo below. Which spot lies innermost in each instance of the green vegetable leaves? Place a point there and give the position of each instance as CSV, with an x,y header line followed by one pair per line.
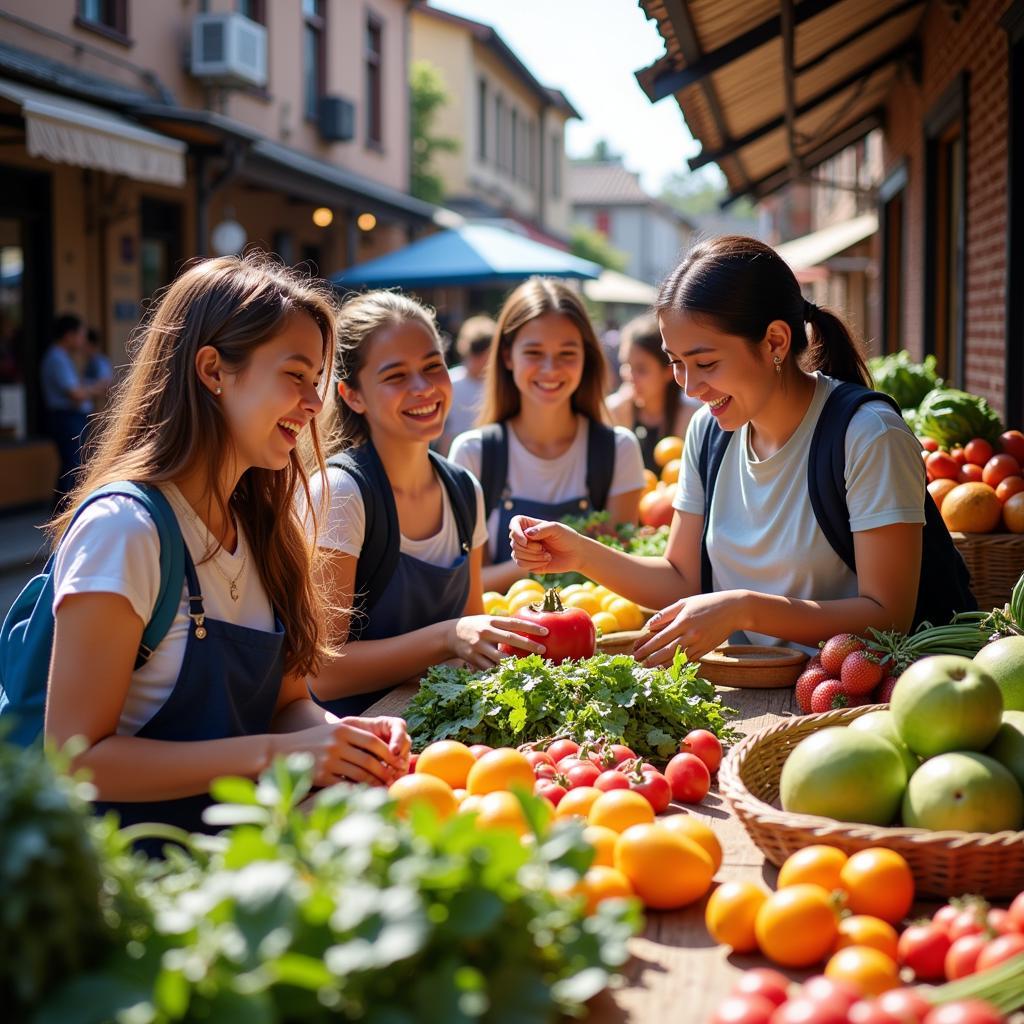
x,y
906,381
530,699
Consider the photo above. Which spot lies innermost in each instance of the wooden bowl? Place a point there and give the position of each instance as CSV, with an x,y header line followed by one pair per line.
x,y
619,643
751,666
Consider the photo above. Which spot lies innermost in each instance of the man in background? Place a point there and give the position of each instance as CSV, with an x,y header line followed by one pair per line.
x,y
472,344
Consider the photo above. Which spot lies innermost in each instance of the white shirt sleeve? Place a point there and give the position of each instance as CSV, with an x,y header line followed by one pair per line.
x,y
629,464
480,529
467,451
344,522
113,547
690,489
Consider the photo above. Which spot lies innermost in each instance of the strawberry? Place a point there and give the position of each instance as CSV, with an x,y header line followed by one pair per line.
x,y
860,673
883,694
834,652
813,662
828,696
805,684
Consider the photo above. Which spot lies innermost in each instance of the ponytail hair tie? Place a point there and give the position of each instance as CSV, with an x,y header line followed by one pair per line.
x,y
810,311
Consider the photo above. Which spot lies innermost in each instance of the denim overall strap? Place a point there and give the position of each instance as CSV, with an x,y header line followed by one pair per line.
x,y
554,511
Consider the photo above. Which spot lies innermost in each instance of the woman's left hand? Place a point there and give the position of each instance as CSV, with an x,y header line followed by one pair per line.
x,y
696,624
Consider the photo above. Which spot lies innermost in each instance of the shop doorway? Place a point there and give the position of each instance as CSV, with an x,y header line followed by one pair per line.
x,y
161,244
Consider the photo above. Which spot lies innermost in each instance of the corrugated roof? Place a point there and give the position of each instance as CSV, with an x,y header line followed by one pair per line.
x,y
725,65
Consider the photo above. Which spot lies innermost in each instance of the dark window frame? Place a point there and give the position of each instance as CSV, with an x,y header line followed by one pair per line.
x,y
114,28
1013,23
892,200
257,12
373,75
482,100
948,115
316,23
557,157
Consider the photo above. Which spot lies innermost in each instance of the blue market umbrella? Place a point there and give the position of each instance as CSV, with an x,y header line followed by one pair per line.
x,y
472,254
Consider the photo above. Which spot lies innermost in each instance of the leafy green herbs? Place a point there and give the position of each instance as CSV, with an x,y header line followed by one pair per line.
x,y
522,700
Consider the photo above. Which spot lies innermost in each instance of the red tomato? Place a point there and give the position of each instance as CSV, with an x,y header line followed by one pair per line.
x,y
562,748
820,989
945,916
929,444
744,1009
956,453
923,948
653,787
998,468
978,451
689,778
998,920
867,1011
1005,947
545,771
966,1011
705,745
970,474
1013,444
479,749
1008,487
962,958
763,981
612,755
585,774
942,466
567,764
806,1011
571,631
970,921
550,790
537,758
904,1005
610,780
1015,915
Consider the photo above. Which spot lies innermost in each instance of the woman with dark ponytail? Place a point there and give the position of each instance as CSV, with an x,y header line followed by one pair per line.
x,y
801,500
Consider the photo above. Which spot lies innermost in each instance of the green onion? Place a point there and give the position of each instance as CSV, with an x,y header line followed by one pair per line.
x,y
1002,986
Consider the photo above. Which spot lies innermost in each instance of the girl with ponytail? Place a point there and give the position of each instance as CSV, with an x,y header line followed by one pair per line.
x,y
747,558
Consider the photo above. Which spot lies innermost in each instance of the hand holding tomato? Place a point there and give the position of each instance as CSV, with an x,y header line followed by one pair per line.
x,y
540,546
696,624
568,632
480,640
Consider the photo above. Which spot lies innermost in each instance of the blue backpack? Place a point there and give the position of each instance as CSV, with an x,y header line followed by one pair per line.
x,y
26,639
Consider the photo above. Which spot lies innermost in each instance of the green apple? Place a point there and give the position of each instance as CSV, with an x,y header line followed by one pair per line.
x,y
1008,746
881,723
1003,660
846,774
963,791
946,703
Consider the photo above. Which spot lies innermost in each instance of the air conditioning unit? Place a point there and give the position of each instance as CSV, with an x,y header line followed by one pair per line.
x,y
229,49
337,119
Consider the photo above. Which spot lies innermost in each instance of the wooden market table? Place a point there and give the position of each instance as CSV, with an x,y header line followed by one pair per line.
x,y
677,971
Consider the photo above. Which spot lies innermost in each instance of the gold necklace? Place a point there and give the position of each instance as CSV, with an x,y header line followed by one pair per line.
x,y
232,582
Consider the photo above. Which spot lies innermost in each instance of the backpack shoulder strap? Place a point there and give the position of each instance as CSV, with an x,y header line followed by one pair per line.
x,y
600,463
709,462
462,493
493,464
381,537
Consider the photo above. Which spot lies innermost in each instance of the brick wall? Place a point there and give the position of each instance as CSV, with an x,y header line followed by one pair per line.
x,y
978,46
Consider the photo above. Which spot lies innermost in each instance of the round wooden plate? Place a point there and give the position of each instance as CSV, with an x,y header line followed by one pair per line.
x,y
752,666
620,643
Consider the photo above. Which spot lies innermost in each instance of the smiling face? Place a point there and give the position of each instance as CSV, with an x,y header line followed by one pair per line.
x,y
732,376
546,360
403,389
648,374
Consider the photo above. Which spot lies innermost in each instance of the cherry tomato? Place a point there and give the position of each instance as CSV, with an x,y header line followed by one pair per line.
x,y
744,1008
763,981
962,958
583,774
479,749
1005,947
970,921
572,761
1013,444
923,948
806,1011
550,790
945,916
957,454
904,1005
545,771
929,444
966,1011
688,778
612,755
705,745
610,780
999,467
562,748
653,787
942,466
978,451
821,989
998,920
537,758
867,1011
570,634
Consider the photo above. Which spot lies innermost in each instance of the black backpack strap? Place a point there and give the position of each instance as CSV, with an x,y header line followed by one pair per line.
x,y
493,464
462,494
709,462
600,463
382,538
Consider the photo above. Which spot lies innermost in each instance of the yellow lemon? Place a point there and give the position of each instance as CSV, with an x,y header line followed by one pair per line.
x,y
606,622
583,599
495,603
521,585
522,599
628,614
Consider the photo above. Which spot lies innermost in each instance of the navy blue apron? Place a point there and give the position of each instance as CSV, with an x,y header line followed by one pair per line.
x,y
228,685
553,511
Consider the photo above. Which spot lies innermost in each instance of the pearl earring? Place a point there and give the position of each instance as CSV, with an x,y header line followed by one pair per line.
x,y
218,391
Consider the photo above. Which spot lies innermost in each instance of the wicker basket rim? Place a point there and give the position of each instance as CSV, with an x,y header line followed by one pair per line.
x,y
732,787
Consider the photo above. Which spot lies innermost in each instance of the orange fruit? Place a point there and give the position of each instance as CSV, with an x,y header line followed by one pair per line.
x,y
731,912
423,789
667,449
577,802
938,489
868,970
502,810
797,926
448,760
693,828
864,930
603,840
503,768
971,508
817,865
650,480
666,870
602,883
670,471
878,882
618,809
1013,513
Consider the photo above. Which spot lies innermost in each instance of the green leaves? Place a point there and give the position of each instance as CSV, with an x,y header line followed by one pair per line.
x,y
520,701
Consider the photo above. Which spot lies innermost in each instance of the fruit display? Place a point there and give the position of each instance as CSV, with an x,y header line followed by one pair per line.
x,y
906,381
951,417
656,501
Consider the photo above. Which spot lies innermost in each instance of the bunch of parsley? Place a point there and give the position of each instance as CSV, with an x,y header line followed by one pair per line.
x,y
523,700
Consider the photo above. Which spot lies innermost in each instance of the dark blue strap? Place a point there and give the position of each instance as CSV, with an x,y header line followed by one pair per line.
x,y
709,462
600,464
493,464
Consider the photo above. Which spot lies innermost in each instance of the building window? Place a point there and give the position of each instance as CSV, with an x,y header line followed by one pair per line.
x,y
254,10
107,16
374,82
499,132
556,166
946,231
514,139
312,56
892,221
481,120
531,158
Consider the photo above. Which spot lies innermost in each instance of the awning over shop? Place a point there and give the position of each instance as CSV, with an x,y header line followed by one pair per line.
x,y
771,88
614,287
69,131
815,248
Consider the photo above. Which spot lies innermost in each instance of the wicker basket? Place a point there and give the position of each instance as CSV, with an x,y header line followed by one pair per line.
x,y
995,562
944,863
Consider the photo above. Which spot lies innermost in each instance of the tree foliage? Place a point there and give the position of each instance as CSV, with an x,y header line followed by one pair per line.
x,y
428,96
589,244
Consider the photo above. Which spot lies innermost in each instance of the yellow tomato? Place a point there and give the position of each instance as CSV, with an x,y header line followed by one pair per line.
x,y
670,471
583,599
501,809
577,802
423,789
731,912
448,760
606,622
589,585
600,592
620,808
693,828
667,449
495,603
566,592
522,599
521,585
606,600
626,613
603,840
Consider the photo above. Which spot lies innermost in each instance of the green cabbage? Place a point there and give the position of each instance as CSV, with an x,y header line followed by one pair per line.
x,y
906,381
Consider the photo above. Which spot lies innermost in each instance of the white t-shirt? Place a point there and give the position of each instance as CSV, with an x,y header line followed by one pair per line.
x,y
344,525
553,480
763,534
114,548
467,397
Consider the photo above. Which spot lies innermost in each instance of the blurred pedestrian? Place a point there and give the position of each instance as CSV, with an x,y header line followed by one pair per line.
x,y
472,345
98,370
649,403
